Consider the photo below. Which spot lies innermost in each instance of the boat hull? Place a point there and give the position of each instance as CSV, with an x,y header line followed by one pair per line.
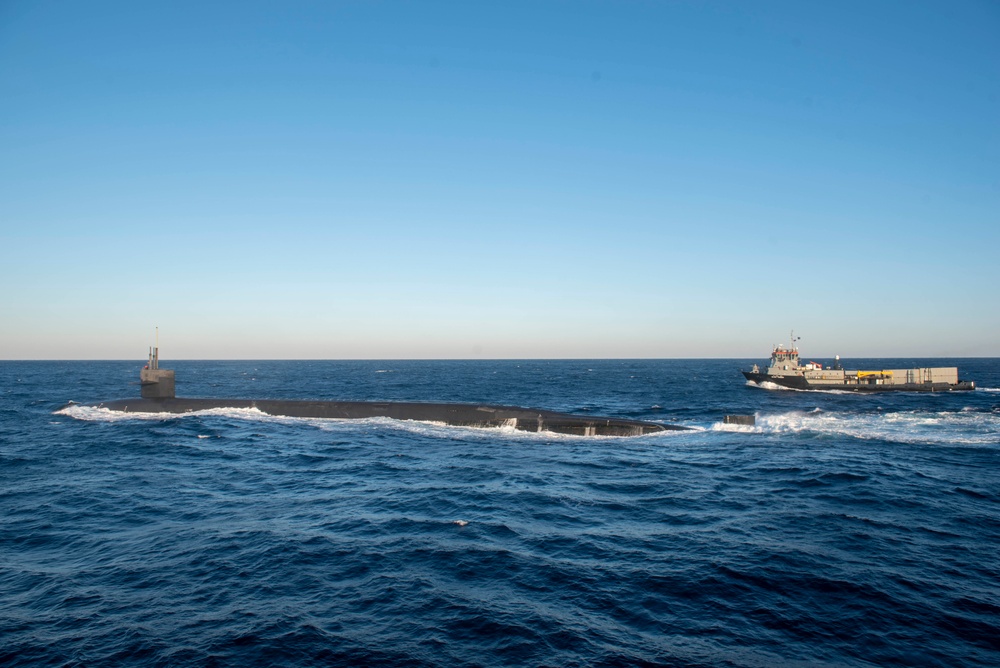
x,y
801,383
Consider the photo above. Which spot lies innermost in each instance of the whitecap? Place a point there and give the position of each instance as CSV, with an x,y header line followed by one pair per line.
x,y
958,427
102,414
768,385
738,428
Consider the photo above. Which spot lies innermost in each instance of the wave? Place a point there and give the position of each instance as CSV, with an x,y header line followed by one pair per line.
x,y
768,385
101,414
960,427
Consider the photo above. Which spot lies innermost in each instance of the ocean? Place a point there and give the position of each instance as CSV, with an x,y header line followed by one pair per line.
x,y
841,530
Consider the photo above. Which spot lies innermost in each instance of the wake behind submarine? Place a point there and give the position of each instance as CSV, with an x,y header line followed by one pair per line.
x,y
158,396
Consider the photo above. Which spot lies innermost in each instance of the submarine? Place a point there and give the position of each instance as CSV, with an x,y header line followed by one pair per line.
x,y
158,395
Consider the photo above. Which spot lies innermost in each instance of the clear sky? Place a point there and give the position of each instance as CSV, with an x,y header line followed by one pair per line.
x,y
499,179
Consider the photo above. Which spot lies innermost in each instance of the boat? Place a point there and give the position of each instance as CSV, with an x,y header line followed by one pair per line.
x,y
787,371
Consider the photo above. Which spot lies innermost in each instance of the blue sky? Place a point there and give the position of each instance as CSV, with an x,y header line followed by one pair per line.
x,y
499,180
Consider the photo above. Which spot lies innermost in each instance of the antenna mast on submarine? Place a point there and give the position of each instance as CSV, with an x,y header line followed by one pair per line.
x,y
156,383
154,352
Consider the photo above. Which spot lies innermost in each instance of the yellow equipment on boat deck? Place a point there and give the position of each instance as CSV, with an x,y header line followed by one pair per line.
x,y
880,374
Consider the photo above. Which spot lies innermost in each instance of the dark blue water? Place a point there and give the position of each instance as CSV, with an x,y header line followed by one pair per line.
x,y
841,531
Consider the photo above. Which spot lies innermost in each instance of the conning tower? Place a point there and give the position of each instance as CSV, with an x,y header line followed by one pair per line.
x,y
156,383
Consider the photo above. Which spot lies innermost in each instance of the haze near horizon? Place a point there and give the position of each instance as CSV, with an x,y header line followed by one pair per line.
x,y
393,180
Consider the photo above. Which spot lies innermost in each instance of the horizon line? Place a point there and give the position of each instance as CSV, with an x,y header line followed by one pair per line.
x,y
478,359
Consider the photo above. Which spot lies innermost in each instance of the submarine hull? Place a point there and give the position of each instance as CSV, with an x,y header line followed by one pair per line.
x,y
464,415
